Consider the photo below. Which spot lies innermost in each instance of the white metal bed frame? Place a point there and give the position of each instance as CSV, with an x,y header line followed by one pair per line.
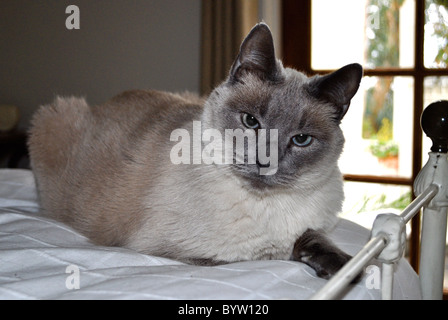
x,y
388,237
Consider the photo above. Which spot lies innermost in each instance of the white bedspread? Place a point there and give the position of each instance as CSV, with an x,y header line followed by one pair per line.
x,y
44,259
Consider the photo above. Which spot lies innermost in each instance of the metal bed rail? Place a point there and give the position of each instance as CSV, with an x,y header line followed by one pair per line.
x,y
388,237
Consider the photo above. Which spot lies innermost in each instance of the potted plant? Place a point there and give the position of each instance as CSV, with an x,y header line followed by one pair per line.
x,y
384,148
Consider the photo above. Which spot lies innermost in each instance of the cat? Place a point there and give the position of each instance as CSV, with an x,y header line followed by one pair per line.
x,y
108,170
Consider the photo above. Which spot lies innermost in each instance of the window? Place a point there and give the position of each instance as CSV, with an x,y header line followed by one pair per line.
x,y
403,46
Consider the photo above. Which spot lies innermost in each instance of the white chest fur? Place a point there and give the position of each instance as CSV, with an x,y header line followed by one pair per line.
x,y
267,227
224,221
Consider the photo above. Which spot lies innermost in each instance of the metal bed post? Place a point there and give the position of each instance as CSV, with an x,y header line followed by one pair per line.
x,y
388,237
432,257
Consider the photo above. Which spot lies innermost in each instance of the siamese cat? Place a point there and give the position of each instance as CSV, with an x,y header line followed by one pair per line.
x,y
120,172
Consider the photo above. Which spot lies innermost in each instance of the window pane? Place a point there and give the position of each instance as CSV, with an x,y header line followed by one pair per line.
x,y
364,201
378,128
436,34
337,33
371,32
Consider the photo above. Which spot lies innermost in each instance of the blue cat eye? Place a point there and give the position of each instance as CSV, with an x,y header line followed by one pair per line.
x,y
302,140
250,121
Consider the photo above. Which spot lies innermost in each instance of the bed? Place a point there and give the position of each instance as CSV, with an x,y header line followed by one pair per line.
x,y
43,259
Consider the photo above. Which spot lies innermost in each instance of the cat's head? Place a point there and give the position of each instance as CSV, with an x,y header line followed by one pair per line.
x,y
298,115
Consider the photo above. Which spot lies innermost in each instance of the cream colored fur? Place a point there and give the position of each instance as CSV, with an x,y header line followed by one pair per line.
x,y
105,170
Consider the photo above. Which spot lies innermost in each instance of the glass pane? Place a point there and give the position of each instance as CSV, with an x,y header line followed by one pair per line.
x,y
436,34
337,33
370,32
364,201
378,128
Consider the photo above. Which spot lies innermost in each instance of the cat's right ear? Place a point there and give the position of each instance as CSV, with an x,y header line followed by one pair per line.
x,y
338,87
256,56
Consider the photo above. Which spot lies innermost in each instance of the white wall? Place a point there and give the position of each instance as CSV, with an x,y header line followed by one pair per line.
x,y
121,44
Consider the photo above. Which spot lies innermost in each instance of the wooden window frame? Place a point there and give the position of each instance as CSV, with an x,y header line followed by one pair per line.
x,y
296,42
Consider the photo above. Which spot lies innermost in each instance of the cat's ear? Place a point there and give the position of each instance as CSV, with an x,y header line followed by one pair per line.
x,y
256,56
338,87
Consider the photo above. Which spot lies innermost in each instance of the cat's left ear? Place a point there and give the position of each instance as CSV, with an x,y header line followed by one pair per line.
x,y
256,56
338,87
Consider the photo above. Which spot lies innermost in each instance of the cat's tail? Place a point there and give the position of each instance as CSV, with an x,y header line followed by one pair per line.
x,y
56,131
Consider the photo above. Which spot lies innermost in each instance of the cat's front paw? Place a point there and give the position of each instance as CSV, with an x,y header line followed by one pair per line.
x,y
315,250
325,264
